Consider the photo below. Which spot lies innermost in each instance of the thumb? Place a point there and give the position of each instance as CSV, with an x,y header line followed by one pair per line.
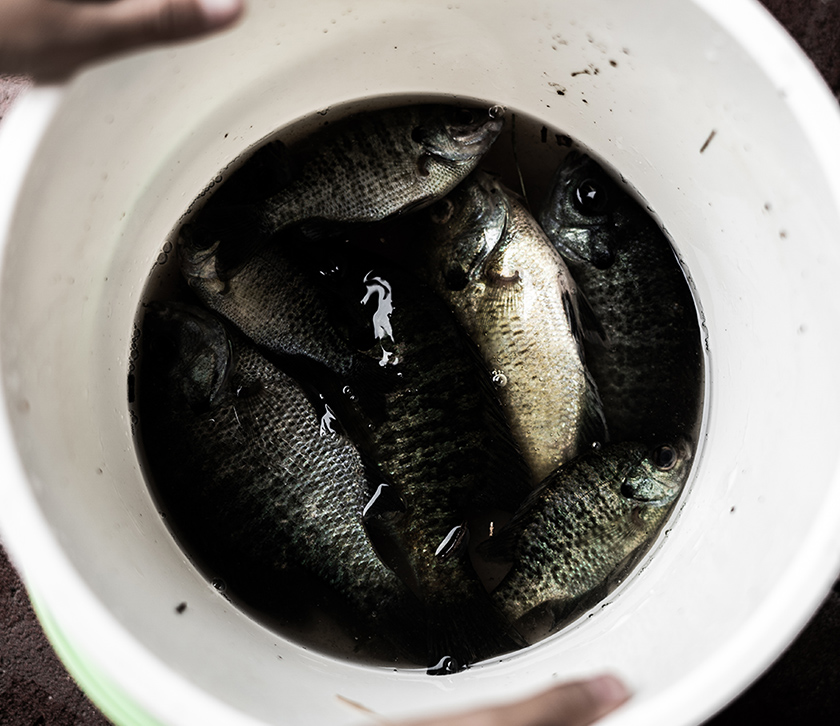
x,y
50,39
579,703
576,704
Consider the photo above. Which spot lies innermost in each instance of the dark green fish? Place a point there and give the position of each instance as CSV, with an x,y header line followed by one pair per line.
x,y
650,371
586,524
416,397
438,434
256,474
512,292
361,169
275,298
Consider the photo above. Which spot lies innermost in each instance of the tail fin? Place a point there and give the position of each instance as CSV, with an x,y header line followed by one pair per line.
x,y
464,631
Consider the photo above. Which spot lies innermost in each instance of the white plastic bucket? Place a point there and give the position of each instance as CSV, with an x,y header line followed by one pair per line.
x,y
704,106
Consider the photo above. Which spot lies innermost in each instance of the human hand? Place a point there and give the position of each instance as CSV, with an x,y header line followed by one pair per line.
x,y
570,704
49,39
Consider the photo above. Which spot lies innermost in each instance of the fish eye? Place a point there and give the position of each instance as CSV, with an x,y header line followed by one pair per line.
x,y
664,457
418,135
442,212
590,197
627,491
464,116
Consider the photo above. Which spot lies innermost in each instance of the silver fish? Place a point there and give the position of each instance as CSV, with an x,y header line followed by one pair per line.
x,y
514,295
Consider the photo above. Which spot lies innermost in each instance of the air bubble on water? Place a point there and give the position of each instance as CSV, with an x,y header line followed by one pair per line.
x,y
218,179
219,584
499,379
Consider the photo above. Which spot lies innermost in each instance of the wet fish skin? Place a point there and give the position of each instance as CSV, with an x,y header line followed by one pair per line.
x,y
441,438
255,473
361,169
275,299
466,225
585,523
513,294
650,370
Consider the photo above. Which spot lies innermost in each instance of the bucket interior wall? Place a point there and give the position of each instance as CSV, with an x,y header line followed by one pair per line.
x,y
658,90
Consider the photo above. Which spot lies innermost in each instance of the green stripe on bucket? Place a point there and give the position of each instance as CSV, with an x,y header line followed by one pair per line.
x,y
108,697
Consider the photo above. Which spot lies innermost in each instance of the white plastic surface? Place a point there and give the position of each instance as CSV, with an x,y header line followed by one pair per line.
x,y
116,158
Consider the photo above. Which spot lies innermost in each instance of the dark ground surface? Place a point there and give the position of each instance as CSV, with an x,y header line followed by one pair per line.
x,y
801,688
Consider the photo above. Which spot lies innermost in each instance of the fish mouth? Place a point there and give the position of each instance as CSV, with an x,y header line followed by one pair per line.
x,y
651,493
474,134
662,501
198,263
206,336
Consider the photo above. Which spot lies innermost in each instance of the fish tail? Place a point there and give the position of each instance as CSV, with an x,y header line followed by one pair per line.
x,y
461,633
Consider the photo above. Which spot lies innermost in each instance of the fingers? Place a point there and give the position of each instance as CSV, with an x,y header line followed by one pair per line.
x,y
50,39
570,704
128,23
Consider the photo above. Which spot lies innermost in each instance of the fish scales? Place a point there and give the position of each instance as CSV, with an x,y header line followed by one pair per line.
x,y
519,304
254,477
429,416
274,299
360,169
443,442
585,523
376,156
649,373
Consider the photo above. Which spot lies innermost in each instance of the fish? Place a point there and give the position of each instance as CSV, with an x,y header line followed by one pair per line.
x,y
275,298
439,436
258,475
445,444
362,169
586,524
513,294
649,371
409,387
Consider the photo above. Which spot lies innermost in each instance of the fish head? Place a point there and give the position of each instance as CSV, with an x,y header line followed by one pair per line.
x,y
466,226
457,135
218,241
578,213
189,352
657,475
198,261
